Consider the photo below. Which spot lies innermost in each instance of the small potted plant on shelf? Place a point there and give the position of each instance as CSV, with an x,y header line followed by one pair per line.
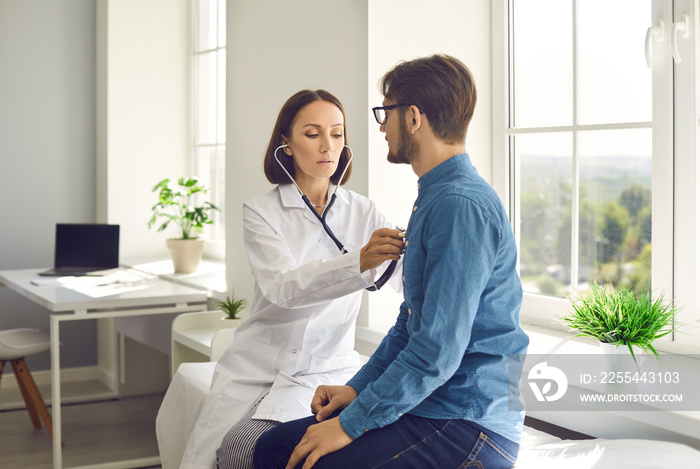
x,y
620,320
176,204
231,306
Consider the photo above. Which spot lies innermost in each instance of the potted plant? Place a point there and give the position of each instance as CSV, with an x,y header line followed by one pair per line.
x,y
621,318
176,204
231,306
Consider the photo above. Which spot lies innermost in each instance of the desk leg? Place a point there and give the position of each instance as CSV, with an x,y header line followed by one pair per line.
x,y
56,392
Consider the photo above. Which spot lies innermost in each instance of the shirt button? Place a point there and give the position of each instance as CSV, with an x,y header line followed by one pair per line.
x,y
403,278
406,243
415,207
294,351
418,184
320,240
409,311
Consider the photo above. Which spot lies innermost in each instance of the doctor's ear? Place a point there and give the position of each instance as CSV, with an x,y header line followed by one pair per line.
x,y
286,149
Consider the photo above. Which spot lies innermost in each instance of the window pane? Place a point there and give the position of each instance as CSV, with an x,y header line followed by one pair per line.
x,y
219,193
222,23
203,169
542,56
614,80
544,172
221,98
205,99
210,168
206,25
615,208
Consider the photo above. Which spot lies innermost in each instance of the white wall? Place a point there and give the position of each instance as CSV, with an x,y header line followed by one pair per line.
x,y
403,30
47,148
142,113
274,49
49,93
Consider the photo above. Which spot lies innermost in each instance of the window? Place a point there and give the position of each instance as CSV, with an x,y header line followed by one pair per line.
x,y
587,145
580,138
209,107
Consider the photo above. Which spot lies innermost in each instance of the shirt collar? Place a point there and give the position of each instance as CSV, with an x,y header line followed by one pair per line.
x,y
291,198
443,170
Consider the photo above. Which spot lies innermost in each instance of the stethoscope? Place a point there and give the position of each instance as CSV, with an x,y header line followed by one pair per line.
x,y
322,218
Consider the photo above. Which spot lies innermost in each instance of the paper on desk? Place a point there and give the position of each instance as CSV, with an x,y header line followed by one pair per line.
x,y
121,281
47,281
99,291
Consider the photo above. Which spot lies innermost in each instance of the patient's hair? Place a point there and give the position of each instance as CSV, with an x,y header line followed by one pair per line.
x,y
283,129
441,86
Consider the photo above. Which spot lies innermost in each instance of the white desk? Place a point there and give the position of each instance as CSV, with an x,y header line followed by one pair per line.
x,y
148,296
210,275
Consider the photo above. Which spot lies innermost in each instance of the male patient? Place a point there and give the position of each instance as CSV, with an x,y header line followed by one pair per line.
x,y
436,393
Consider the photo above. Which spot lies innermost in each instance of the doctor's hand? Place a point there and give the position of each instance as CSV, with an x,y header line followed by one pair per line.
x,y
385,244
320,439
328,399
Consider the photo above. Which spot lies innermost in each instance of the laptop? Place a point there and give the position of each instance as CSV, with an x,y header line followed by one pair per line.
x,y
85,249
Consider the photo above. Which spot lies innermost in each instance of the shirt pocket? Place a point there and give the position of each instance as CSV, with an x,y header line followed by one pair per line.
x,y
245,369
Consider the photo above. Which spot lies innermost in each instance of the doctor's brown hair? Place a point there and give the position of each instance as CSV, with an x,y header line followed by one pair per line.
x,y
441,86
283,128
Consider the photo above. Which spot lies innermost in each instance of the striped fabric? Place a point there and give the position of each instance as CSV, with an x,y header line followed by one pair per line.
x,y
236,450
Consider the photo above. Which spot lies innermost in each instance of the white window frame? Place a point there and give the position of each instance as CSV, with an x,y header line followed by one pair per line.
x,y
215,234
675,229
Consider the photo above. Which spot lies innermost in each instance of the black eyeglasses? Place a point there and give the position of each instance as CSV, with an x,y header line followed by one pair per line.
x,y
380,112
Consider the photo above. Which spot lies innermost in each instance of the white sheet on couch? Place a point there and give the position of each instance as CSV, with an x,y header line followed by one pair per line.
x,y
540,450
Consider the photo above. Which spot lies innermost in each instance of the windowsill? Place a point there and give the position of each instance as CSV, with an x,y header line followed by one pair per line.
x,y
681,426
210,276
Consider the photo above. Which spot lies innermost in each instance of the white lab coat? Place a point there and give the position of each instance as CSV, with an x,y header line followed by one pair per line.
x,y
301,330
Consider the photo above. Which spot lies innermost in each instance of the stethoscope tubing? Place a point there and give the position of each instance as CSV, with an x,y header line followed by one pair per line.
x,y
322,218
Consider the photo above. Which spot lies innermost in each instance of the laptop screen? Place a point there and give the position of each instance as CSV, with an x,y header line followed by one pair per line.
x,y
87,245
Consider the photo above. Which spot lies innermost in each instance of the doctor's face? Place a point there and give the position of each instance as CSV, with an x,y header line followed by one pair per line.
x,y
316,141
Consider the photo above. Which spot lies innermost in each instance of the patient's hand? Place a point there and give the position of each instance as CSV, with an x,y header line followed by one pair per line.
x,y
328,399
320,439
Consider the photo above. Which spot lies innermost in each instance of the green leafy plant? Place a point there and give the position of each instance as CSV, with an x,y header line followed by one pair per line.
x,y
175,204
231,306
620,317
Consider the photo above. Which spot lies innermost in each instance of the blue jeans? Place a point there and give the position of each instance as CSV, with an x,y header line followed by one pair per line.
x,y
410,442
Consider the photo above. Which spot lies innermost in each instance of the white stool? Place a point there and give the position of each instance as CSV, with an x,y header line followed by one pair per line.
x,y
15,344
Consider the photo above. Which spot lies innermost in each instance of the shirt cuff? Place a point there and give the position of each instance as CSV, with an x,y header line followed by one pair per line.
x,y
354,422
369,275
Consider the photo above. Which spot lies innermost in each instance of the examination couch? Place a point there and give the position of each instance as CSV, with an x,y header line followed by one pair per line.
x,y
539,450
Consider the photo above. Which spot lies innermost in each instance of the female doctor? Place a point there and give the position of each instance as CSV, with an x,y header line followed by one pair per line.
x,y
301,329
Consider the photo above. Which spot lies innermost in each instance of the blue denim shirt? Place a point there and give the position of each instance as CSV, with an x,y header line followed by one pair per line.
x,y
447,355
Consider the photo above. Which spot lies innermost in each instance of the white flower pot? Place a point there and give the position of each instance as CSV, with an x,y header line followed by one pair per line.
x,y
226,322
619,358
185,254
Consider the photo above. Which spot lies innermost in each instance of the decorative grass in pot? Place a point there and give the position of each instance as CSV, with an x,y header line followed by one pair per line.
x,y
231,307
621,318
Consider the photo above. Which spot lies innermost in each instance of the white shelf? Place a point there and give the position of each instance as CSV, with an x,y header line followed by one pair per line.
x,y
198,340
199,337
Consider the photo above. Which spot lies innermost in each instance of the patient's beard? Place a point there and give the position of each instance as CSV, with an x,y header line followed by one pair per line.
x,y
408,148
